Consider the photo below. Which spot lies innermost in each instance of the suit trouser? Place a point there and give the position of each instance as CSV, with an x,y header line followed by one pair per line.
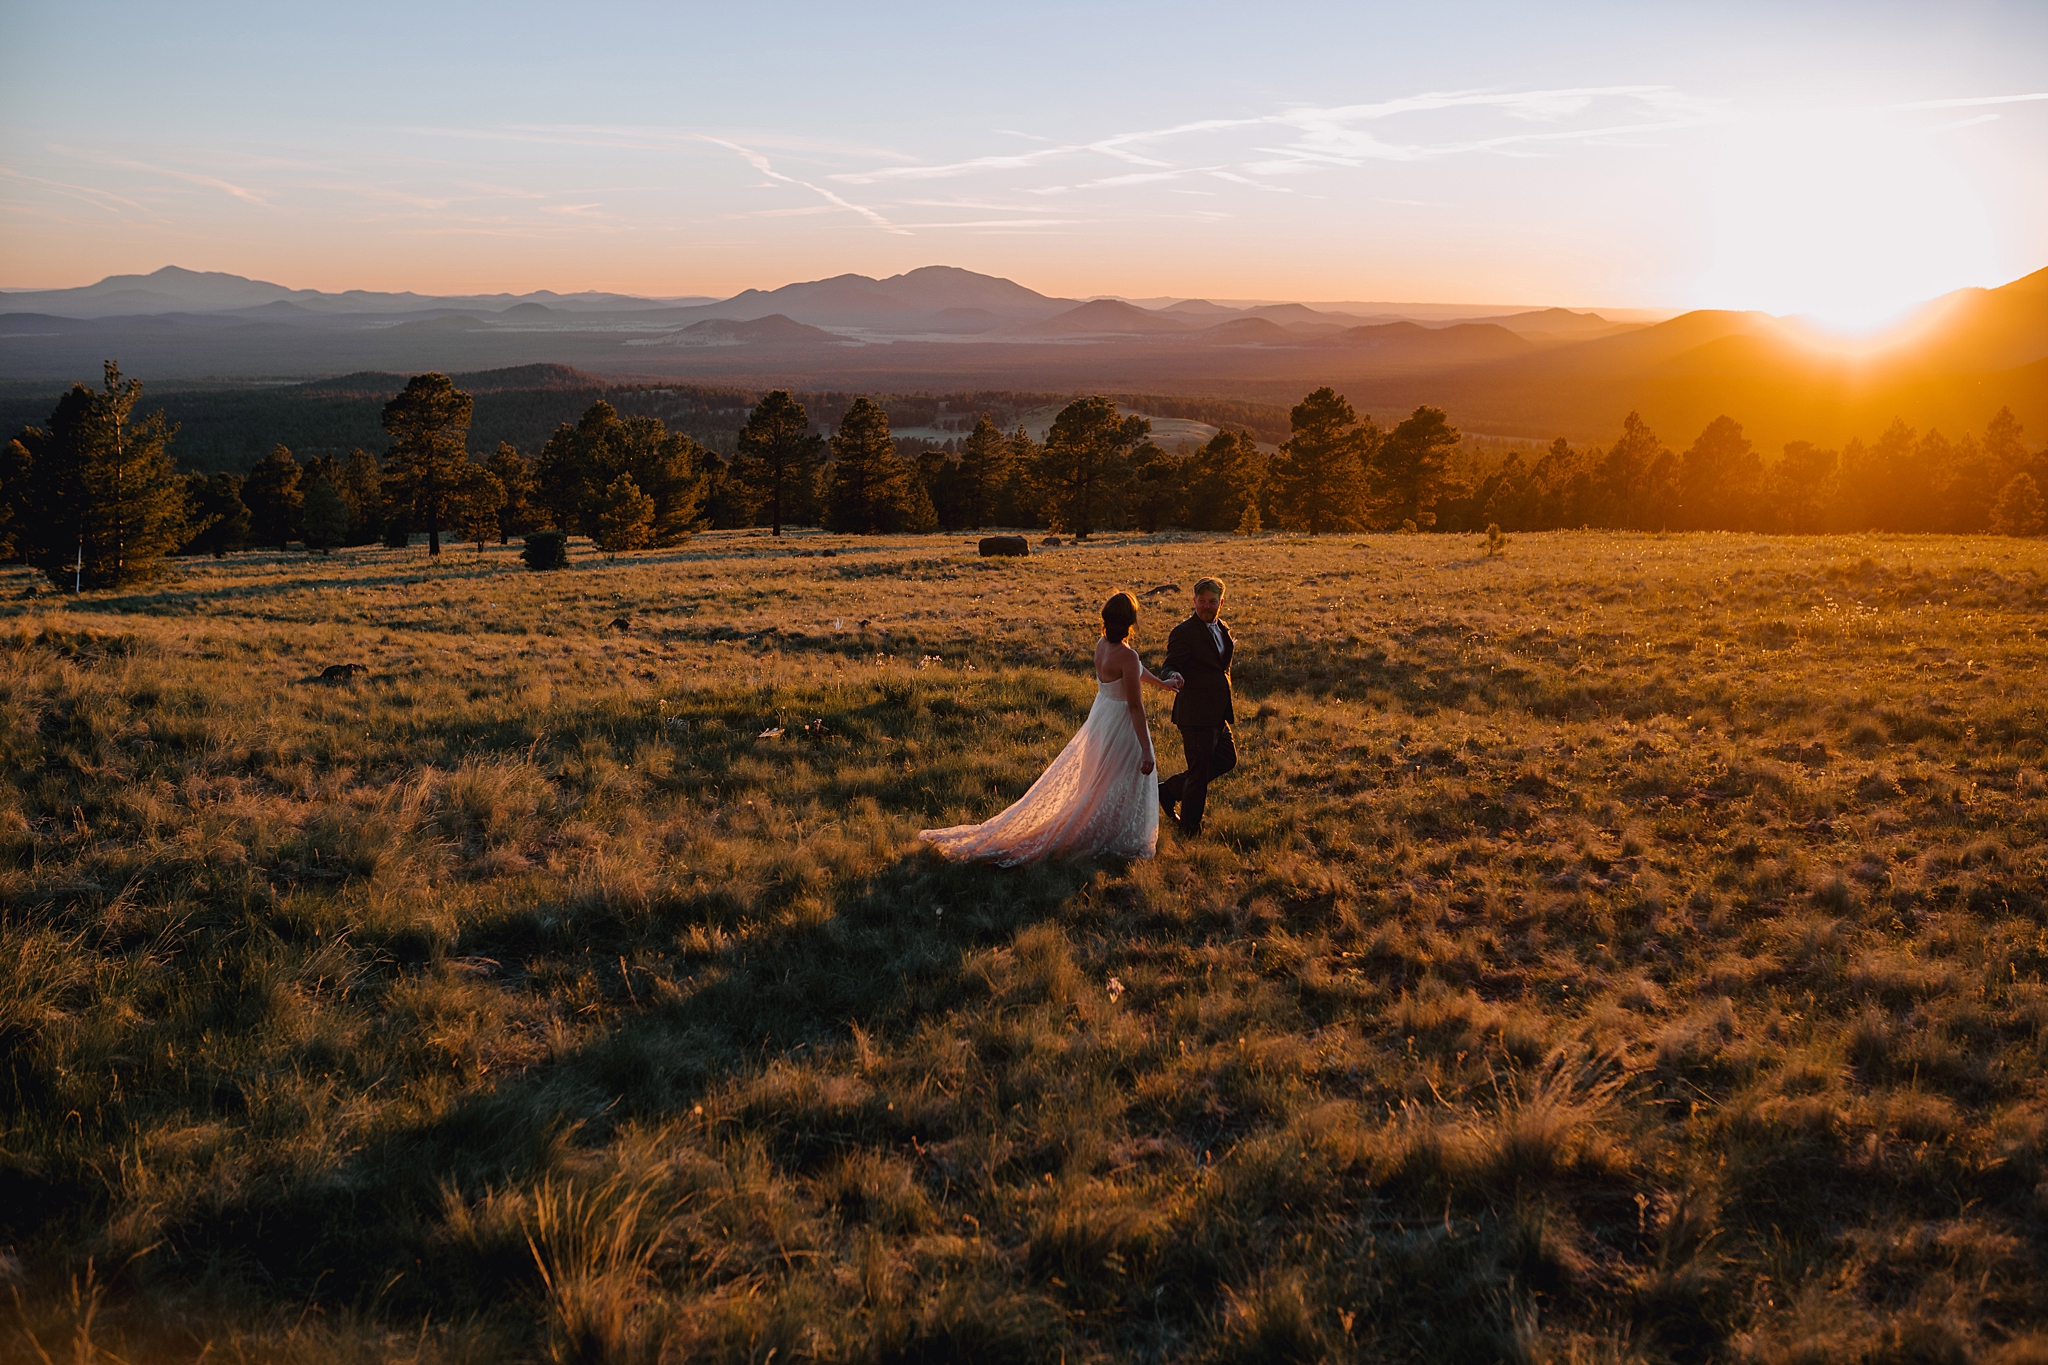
x,y
1211,753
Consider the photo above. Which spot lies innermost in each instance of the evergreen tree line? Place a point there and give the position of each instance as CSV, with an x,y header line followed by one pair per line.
x,y
1340,471
1904,481
94,497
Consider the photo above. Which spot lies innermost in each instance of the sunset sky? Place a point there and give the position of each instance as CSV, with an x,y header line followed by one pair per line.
x,y
1842,159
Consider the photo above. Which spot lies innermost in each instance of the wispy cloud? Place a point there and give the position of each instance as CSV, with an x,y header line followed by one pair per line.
x,y
975,204
653,178
1334,135
947,171
168,172
761,164
1972,102
99,199
1007,223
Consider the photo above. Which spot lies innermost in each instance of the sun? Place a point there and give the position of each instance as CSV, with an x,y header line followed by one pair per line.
x,y
1847,219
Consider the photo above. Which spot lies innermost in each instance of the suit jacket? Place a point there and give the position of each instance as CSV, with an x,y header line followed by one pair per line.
x,y
1191,652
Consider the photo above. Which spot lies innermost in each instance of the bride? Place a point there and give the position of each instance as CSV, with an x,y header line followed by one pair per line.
x,y
1101,795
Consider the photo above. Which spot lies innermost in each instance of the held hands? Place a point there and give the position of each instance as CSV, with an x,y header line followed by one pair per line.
x,y
1173,682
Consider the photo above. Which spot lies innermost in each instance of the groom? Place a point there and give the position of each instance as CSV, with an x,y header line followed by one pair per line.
x,y
1199,650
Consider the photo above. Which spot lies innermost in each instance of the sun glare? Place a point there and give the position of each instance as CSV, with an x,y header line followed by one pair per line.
x,y
1848,220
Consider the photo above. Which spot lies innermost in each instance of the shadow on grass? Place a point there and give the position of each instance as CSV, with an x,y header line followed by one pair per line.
x,y
889,954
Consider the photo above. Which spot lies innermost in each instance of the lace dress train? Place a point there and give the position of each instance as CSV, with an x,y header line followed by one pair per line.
x,y
1092,799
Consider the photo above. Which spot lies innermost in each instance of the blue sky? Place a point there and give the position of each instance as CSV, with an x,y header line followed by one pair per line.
x,y
1838,158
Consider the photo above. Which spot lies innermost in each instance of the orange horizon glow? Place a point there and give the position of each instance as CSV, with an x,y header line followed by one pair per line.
x,y
1831,163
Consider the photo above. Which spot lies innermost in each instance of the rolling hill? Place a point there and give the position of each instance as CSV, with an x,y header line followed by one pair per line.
x,y
1536,373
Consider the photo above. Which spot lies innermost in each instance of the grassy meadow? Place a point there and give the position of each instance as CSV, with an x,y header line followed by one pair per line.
x,y
1622,948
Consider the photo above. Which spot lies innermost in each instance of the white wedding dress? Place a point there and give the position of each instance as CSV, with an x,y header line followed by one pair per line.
x,y
1091,800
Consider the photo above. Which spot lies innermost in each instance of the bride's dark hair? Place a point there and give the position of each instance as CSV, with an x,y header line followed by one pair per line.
x,y
1119,614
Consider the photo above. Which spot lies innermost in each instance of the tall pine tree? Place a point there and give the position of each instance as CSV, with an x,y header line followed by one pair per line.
x,y
984,471
477,506
1720,479
275,496
362,488
1318,480
1021,503
517,514
778,459
14,465
1084,468
426,465
102,502
1223,479
218,519
1635,482
323,517
871,489
1411,468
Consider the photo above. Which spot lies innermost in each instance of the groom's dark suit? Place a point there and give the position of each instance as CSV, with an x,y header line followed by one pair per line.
x,y
1202,713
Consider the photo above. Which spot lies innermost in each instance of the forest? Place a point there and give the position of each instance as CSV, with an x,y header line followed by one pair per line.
x,y
96,494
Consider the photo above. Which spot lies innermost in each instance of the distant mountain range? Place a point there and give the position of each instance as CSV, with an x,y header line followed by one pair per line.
x,y
1535,372
175,290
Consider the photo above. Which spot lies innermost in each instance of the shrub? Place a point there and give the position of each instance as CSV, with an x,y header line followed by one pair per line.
x,y
546,550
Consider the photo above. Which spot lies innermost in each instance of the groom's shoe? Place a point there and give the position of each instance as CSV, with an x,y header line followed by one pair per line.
x,y
1168,801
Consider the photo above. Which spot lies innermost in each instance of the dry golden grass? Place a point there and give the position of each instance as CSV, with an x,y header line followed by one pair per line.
x,y
1624,948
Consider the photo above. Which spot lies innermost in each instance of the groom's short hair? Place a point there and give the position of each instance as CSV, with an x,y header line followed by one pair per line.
x,y
1214,585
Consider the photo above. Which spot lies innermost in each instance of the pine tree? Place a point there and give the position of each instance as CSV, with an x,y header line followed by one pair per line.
x,y
778,459
625,519
323,518
1223,479
429,427
102,502
1318,481
984,471
362,488
1634,483
218,519
916,510
568,474
1157,488
2005,446
275,498
1020,503
14,466
728,503
1410,467
1799,487
1084,469
939,474
2018,511
870,487
579,465
1720,478
478,505
518,514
